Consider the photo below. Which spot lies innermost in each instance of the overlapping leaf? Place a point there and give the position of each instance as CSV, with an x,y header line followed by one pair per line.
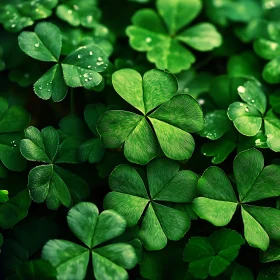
x,y
254,182
50,182
160,34
79,69
176,117
166,183
92,229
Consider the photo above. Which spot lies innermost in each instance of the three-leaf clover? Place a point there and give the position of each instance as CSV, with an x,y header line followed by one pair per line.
x,y
210,256
134,201
249,116
161,34
49,181
268,47
13,120
79,69
17,14
254,182
175,117
83,12
109,261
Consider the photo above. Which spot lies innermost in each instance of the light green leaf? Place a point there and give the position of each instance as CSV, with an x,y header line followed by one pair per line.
x,y
71,260
217,212
254,232
246,118
43,44
81,68
52,84
272,130
201,37
271,73
178,13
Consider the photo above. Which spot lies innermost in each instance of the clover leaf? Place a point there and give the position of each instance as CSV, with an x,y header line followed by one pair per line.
x,y
17,14
83,12
15,207
211,256
249,116
173,120
50,182
254,182
129,197
162,33
92,149
272,254
268,47
13,120
92,229
79,69
218,128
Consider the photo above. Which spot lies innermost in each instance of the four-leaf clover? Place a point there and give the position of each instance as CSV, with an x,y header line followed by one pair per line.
x,y
161,34
166,184
93,229
254,182
172,116
79,69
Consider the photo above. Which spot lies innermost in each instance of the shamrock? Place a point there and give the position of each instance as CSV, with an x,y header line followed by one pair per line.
x,y
49,181
173,120
83,12
161,34
166,183
109,261
218,128
79,69
210,256
218,201
249,116
17,14
268,47
13,208
13,120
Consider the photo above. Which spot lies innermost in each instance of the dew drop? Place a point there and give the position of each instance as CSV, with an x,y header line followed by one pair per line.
x,y
79,56
90,53
241,89
201,101
40,87
148,40
13,25
70,12
247,109
86,80
99,63
49,90
89,18
85,75
90,78
76,7
99,58
253,100
50,82
89,66
258,142
37,45
241,104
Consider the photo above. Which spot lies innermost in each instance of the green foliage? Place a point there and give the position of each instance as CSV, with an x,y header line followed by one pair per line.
x,y
160,34
126,105
79,69
131,199
212,255
50,182
110,261
254,182
172,121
